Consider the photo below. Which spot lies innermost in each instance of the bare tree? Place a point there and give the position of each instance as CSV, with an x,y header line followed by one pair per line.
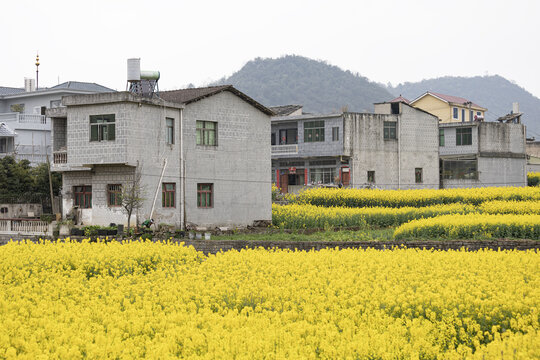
x,y
133,193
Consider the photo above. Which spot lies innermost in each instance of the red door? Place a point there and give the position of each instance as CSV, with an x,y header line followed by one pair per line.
x,y
345,176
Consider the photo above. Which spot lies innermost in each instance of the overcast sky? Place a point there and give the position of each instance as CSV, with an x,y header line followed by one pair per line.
x,y
202,41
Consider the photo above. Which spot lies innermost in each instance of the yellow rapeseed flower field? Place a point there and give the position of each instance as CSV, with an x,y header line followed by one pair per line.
x,y
164,301
414,198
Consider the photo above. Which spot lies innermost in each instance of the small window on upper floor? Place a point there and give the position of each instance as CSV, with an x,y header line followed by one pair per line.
x,y
390,130
464,136
418,176
455,114
335,133
102,127
394,108
441,137
170,130
206,133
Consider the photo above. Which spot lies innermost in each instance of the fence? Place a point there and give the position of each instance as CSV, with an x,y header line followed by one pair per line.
x,y
25,227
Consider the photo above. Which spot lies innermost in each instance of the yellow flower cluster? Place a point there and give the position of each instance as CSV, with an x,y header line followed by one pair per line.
x,y
533,178
510,207
458,226
163,301
296,216
414,198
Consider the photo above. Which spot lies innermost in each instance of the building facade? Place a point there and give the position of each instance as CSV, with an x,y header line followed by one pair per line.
x,y
395,147
24,112
202,154
481,154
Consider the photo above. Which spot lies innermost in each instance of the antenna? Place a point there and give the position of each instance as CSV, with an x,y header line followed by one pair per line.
x,y
37,70
142,83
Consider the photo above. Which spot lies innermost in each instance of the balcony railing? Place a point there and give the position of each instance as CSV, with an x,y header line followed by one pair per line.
x,y
25,227
60,157
24,118
290,149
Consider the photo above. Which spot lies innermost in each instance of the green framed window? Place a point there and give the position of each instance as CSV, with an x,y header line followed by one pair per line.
x,y
170,130
206,133
114,195
390,132
205,195
463,136
102,127
314,131
441,137
82,196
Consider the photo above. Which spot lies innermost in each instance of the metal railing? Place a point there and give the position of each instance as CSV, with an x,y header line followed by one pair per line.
x,y
284,149
60,157
23,118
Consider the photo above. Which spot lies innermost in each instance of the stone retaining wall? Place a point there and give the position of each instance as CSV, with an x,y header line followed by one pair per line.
x,y
214,246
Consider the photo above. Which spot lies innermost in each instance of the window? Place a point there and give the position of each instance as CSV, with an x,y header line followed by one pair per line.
x,y
464,136
455,113
390,130
102,127
335,134
55,104
206,133
394,108
314,131
462,115
170,130
205,195
3,145
168,192
273,139
82,196
471,115
441,137
17,108
478,113
322,175
288,136
114,195
3,210
371,177
418,175
459,169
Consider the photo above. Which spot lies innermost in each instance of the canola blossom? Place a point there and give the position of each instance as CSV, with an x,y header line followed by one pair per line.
x,y
413,198
510,207
296,216
458,226
164,301
533,178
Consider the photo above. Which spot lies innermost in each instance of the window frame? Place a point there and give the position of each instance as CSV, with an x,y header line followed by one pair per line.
x,y
371,176
202,137
314,131
388,128
85,194
168,197
114,191
169,130
208,195
455,113
335,133
462,135
102,124
441,137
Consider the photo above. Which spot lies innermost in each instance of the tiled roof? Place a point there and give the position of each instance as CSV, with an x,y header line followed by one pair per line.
x,y
10,91
400,99
285,110
5,130
83,86
186,96
449,99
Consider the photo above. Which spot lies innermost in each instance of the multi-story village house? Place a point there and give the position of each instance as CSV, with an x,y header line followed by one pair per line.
x,y
27,129
474,153
203,156
395,147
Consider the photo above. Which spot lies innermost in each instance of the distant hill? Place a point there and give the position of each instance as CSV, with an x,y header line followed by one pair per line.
x,y
324,88
493,92
319,87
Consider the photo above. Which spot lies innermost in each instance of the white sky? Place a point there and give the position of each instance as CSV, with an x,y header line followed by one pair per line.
x,y
201,41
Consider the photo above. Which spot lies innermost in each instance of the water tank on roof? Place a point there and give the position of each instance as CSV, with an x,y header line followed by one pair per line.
x,y
150,75
134,69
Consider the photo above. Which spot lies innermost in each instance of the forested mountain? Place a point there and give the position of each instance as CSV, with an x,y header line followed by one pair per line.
x,y
493,92
319,87
324,88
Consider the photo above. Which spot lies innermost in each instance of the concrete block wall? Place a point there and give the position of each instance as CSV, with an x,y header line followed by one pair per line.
x,y
239,166
450,147
501,137
59,126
